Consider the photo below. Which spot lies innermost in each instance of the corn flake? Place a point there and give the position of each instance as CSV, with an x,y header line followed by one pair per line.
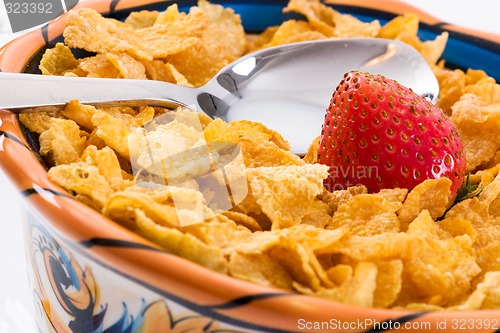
x,y
407,22
255,42
367,215
81,114
389,282
127,66
244,220
218,231
296,261
289,30
114,131
98,66
439,268
176,34
162,71
87,29
285,193
107,162
332,23
265,154
199,62
431,50
337,198
260,269
320,16
37,122
58,60
357,290
62,142
477,123
142,19
312,152
82,179
432,195
178,243
224,30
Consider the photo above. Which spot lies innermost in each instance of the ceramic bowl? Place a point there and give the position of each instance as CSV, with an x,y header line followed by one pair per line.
x,y
91,275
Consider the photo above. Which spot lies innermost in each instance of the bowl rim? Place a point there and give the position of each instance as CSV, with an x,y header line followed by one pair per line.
x,y
133,256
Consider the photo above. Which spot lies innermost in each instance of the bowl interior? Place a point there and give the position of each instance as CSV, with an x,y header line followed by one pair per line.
x,y
462,50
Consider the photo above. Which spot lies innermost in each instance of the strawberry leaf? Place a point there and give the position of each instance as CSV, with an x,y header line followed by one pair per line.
x,y
466,191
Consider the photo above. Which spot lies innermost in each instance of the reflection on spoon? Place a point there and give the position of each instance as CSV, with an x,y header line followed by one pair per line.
x,y
390,52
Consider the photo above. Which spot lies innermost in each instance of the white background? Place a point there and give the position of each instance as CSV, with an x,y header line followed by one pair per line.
x,y
15,297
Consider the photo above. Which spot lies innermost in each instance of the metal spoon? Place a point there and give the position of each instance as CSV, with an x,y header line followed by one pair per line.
x,y
287,87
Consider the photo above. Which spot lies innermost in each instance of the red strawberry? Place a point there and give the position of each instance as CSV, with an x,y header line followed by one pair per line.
x,y
380,134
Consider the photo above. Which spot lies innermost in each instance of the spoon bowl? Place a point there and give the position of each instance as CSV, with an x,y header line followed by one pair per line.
x,y
287,88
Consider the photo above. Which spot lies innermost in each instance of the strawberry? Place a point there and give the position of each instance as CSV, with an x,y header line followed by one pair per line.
x,y
381,134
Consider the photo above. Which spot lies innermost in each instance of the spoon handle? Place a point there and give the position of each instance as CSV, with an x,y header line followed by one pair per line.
x,y
24,91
